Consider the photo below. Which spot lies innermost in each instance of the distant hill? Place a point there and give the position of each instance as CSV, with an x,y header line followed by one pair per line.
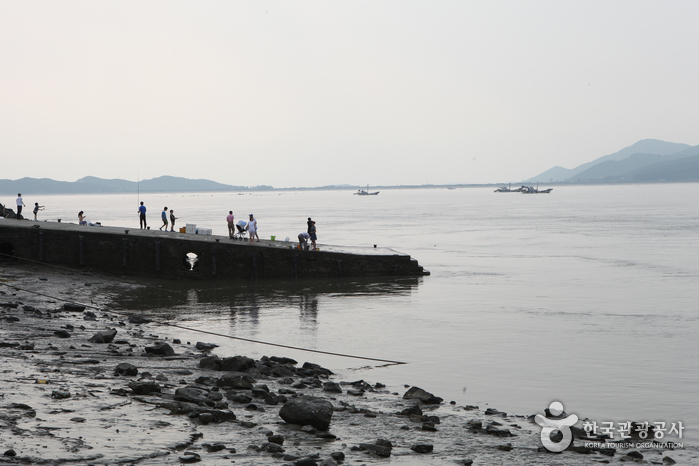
x,y
645,147
94,185
677,170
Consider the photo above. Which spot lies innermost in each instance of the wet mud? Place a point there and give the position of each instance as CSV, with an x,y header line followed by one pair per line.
x,y
63,400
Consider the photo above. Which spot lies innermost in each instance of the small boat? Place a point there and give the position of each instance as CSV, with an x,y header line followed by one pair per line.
x,y
533,190
362,192
504,189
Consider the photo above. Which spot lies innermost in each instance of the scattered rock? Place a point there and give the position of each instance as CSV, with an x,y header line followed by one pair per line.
x,y
305,462
416,393
71,307
422,448
62,334
205,346
160,348
144,388
126,369
308,410
103,337
190,457
138,320
332,387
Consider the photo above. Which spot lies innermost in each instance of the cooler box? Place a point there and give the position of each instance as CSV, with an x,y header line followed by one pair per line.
x,y
205,231
190,228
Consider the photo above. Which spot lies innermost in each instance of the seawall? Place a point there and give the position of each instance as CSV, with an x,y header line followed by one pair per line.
x,y
153,253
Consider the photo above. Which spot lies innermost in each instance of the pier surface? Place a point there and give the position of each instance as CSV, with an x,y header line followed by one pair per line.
x,y
155,253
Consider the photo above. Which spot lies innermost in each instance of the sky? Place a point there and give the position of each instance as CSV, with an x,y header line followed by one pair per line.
x,y
315,93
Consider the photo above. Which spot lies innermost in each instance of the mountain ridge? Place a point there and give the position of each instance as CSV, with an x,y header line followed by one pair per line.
x,y
617,167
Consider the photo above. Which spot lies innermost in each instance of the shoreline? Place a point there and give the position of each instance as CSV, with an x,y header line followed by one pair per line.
x,y
61,402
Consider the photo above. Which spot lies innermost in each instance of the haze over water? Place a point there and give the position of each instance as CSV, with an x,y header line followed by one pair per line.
x,y
587,295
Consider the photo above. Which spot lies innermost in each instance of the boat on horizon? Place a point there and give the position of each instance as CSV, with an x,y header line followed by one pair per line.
x,y
506,189
533,190
362,192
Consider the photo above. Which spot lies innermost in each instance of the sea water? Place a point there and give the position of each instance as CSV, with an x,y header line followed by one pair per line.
x,y
587,295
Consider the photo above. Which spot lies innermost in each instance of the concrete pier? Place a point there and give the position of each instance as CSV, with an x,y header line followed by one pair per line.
x,y
153,253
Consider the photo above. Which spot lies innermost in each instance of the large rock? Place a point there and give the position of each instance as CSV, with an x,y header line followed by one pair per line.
x,y
103,337
308,410
160,348
237,364
126,369
211,363
416,393
192,395
241,382
144,388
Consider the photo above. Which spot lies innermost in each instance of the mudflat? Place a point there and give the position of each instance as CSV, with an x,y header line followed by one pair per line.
x,y
84,382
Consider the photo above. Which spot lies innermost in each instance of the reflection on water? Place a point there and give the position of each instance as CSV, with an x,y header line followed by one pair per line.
x,y
251,301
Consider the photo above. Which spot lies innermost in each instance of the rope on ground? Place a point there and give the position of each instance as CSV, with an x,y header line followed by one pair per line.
x,y
167,324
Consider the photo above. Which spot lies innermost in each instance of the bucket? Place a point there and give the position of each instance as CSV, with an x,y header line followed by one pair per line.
x,y
273,238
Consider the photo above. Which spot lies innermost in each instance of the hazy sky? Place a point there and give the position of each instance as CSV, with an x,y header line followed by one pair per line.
x,y
310,93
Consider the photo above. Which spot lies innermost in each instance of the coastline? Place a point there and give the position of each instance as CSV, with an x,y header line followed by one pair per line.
x,y
62,403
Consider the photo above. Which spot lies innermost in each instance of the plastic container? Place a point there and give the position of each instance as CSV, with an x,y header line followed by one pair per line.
x,y
273,238
183,230
191,228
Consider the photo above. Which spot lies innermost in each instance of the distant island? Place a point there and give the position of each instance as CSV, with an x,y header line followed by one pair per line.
x,y
647,161
162,184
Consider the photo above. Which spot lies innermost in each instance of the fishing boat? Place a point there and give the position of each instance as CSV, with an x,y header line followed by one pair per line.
x,y
533,190
362,192
505,189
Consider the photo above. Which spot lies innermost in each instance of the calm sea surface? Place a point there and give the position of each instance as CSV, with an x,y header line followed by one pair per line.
x,y
587,295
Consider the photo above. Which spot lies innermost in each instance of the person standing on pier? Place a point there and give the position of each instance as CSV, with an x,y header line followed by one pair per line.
x,y
20,204
231,224
164,217
142,215
37,208
252,229
172,220
312,234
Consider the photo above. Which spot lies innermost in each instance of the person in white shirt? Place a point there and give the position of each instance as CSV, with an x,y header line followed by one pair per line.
x,y
252,229
20,203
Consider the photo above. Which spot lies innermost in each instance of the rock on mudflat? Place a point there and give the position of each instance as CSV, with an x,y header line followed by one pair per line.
x,y
126,369
143,388
422,448
103,337
160,348
308,410
416,393
70,307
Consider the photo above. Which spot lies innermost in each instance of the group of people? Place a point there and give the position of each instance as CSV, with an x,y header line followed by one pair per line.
x,y
310,233
20,204
164,216
250,226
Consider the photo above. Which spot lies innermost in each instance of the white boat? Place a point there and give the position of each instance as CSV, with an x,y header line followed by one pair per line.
x,y
362,192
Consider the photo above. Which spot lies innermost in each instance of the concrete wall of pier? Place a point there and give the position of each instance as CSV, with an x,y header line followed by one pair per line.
x,y
152,254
